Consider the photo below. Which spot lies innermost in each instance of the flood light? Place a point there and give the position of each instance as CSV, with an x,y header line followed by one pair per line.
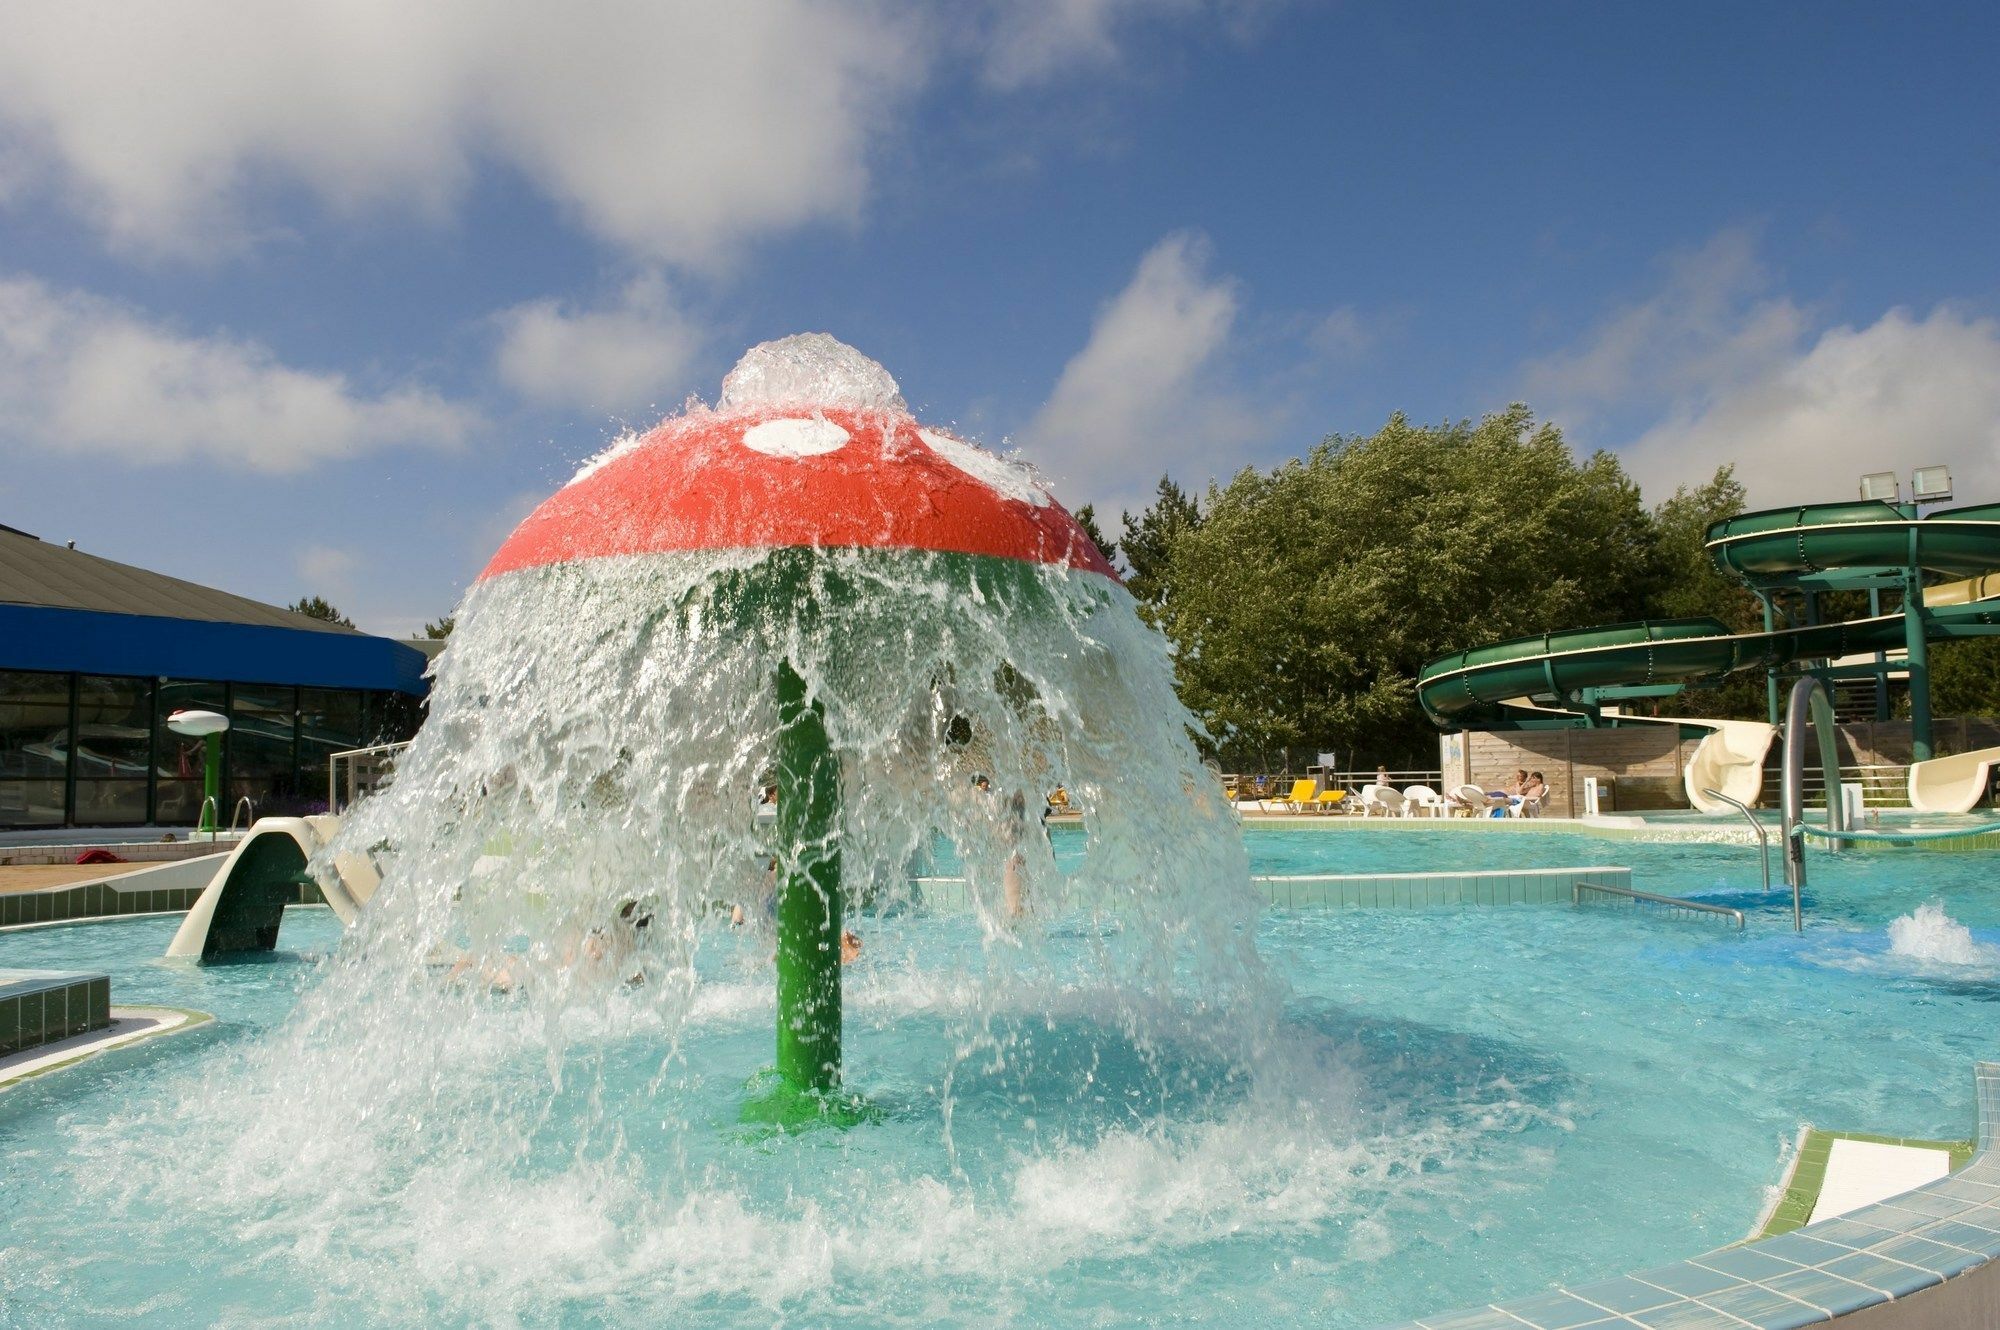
x,y
1882,486
1930,484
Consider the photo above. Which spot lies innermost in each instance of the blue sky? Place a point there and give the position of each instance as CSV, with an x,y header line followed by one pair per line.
x,y
319,298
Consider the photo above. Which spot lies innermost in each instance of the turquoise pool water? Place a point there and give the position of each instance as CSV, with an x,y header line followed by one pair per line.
x,y
1453,1105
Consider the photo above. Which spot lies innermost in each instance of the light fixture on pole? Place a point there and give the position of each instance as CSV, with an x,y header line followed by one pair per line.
x,y
1881,486
1930,484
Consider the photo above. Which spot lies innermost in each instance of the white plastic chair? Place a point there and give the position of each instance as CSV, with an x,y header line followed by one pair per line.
x,y
1470,800
1422,801
1381,801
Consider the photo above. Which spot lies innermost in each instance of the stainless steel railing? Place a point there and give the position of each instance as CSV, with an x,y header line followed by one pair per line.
x,y
1808,705
1763,837
242,805
1671,902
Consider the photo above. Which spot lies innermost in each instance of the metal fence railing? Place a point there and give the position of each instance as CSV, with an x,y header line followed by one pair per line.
x,y
366,770
1277,785
1883,784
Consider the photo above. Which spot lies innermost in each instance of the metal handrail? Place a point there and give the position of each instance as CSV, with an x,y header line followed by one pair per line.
x,y
1763,836
241,804
210,816
1671,902
1808,704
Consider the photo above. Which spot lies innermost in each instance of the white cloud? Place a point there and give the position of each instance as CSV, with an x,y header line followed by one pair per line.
x,y
1707,325
325,568
1720,370
1144,395
634,352
1904,391
1030,41
82,375
670,130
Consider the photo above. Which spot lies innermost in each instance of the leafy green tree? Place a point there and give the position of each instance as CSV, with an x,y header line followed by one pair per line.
x,y
1304,601
1086,517
1149,545
439,629
1965,677
317,607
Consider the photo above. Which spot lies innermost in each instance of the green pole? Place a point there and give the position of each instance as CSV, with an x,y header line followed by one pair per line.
x,y
211,783
1770,670
1917,649
809,905
1920,666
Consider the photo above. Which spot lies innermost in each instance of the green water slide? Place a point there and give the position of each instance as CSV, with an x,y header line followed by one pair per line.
x,y
1560,678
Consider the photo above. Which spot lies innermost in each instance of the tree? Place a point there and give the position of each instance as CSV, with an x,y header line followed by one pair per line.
x,y
1086,517
439,629
1149,545
1303,601
317,607
1965,677
1687,584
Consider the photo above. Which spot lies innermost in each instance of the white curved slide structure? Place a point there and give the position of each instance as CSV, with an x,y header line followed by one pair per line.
x,y
1729,758
1952,784
243,904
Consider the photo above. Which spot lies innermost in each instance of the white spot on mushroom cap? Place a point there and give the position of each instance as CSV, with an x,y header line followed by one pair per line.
x,y
795,437
1010,479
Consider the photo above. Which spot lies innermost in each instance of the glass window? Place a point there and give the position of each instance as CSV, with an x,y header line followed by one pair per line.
x,y
34,726
102,803
393,717
113,749
329,722
262,729
114,728
31,803
178,802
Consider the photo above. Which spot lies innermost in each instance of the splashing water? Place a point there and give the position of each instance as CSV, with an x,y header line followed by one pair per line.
x,y
499,1101
1927,934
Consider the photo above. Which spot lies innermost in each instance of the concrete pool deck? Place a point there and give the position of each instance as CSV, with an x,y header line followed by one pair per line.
x,y
129,1025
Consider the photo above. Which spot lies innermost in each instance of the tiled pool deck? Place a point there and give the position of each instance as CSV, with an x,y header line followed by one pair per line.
x,y
44,1006
1902,1248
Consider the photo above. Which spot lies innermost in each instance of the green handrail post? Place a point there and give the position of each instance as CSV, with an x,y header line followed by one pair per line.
x,y
211,784
809,898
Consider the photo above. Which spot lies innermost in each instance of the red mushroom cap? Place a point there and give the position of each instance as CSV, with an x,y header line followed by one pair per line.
x,y
784,476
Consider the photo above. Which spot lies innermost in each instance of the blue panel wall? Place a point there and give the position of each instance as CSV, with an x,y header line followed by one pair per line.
x,y
35,637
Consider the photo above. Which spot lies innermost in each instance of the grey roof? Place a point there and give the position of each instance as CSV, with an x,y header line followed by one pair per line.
x,y
34,572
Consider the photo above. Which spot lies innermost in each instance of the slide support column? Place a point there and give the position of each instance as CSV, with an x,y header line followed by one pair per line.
x,y
1919,652
1770,670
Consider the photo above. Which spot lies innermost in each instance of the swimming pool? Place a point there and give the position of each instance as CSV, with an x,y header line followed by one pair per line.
x,y
1451,1105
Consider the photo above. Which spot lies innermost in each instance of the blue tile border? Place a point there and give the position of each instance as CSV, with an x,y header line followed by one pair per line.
x,y
1878,1254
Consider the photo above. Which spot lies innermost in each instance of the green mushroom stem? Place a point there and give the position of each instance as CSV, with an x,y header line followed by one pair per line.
x,y
809,895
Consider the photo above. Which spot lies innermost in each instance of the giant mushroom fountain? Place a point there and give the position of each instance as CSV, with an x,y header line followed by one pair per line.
x,y
810,451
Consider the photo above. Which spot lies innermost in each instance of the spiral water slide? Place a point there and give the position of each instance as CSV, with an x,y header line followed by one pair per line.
x,y
1557,679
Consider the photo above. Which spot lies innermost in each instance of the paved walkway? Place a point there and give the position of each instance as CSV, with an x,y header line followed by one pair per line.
x,y
33,877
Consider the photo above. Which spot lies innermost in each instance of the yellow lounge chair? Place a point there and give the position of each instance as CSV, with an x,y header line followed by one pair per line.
x,y
1301,795
1330,800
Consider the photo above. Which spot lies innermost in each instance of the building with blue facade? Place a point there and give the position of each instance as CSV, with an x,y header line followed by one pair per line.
x,y
94,655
